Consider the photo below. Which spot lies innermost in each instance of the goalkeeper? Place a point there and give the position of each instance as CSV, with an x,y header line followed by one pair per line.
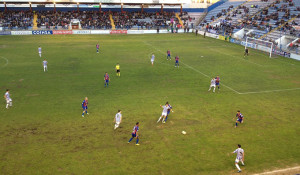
x,y
246,52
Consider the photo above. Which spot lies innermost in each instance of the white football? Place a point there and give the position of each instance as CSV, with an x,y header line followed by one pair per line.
x,y
183,132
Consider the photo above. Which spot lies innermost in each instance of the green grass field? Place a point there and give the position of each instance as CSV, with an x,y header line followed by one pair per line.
x,y
44,133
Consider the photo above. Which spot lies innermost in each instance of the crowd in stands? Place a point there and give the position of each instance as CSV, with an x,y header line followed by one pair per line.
x,y
16,19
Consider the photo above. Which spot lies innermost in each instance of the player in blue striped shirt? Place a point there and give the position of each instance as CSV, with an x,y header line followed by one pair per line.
x,y
134,134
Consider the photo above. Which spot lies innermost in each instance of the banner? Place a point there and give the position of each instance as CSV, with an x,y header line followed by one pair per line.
x,y
21,32
62,32
81,32
135,32
100,32
221,37
42,32
5,33
252,45
282,53
118,32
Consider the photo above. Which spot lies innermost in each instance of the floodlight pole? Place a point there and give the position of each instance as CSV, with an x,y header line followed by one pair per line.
x,y
181,9
121,7
100,8
5,7
142,8
54,7
162,8
78,7
30,6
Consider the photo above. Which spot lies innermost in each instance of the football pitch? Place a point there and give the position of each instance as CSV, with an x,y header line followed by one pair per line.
x,y
44,133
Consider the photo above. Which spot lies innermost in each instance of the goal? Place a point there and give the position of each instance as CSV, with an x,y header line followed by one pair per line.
x,y
259,44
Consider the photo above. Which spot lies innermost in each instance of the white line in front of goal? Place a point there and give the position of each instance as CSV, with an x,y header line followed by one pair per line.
x,y
191,67
278,171
5,60
278,90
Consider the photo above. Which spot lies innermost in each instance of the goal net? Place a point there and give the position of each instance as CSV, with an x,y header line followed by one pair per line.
x,y
259,44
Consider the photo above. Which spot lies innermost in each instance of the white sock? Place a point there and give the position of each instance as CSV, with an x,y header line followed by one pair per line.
x,y
237,166
159,119
10,103
242,162
40,55
6,105
214,89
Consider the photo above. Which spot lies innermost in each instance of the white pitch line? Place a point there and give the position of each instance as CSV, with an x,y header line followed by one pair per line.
x,y
192,68
5,60
279,90
278,171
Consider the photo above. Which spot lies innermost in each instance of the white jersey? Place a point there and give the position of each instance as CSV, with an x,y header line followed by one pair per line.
x,y
7,95
118,117
40,50
45,63
165,110
213,82
152,58
239,153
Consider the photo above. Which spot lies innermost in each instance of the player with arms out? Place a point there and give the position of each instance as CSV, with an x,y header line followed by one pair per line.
x,y
135,134
118,119
169,110
40,51
217,79
152,59
118,70
45,63
164,112
84,106
240,118
212,84
8,99
240,156
168,55
246,52
97,47
177,61
106,79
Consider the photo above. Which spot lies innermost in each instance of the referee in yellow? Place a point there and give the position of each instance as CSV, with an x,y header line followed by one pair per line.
x,y
118,70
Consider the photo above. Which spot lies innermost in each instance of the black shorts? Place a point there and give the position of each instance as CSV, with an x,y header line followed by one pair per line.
x,y
118,71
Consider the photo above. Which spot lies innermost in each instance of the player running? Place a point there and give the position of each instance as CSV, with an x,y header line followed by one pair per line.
x,y
169,110
240,155
118,119
168,55
8,99
240,118
40,51
45,63
106,79
212,84
246,52
84,106
164,113
118,70
97,47
177,61
135,134
152,59
218,82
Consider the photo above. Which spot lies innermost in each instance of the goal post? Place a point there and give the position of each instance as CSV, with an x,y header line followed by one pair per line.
x,y
259,44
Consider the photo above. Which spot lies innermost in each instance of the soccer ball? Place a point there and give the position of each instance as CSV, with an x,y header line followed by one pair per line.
x,y
183,132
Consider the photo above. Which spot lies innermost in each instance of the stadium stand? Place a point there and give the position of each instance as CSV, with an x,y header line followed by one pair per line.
x,y
16,19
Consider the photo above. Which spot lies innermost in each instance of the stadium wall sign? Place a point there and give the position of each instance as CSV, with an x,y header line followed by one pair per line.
x,y
81,32
5,33
135,32
62,32
253,46
42,32
118,32
100,32
21,32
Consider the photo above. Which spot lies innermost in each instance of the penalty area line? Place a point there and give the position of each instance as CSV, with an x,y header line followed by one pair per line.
x,y
278,90
191,67
5,60
278,171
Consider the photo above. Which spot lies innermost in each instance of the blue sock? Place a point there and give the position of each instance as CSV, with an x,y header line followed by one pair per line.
x,y
166,118
85,111
137,140
130,139
236,124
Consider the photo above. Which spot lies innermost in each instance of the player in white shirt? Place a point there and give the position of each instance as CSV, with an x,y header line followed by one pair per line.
x,y
152,59
240,154
45,63
212,84
164,112
7,98
118,119
40,51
